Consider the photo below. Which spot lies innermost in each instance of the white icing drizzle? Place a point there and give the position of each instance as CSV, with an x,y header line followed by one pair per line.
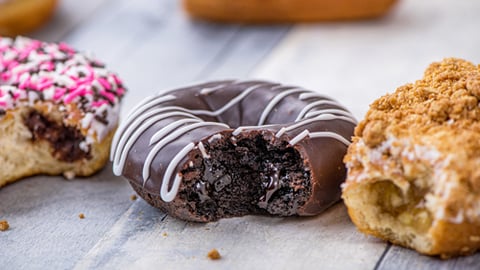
x,y
170,137
169,195
206,91
319,134
331,111
304,96
133,114
128,139
275,101
244,128
312,105
229,104
322,117
201,147
171,128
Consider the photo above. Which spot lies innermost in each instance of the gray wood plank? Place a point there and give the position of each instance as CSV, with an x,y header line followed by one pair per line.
x,y
43,212
401,258
144,237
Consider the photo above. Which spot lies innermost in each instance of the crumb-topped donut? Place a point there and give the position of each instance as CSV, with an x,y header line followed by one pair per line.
x,y
414,164
22,16
265,11
226,148
58,110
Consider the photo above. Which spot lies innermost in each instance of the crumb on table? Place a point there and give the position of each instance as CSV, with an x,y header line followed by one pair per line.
x,y
164,234
214,254
81,216
4,225
133,197
69,175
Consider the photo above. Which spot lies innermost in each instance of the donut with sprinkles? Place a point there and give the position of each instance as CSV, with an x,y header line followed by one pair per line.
x,y
58,110
231,148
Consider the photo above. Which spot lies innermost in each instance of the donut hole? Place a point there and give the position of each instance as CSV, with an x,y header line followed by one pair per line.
x,y
252,174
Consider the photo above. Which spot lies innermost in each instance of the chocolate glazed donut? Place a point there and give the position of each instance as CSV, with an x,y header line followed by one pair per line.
x,y
227,148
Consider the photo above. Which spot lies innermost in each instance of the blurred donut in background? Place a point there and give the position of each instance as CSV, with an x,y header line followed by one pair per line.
x,y
268,11
18,17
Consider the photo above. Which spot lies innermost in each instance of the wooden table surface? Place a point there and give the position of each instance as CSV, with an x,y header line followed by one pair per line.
x,y
154,46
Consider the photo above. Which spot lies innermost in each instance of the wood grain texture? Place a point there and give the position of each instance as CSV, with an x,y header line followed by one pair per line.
x,y
400,258
43,212
144,237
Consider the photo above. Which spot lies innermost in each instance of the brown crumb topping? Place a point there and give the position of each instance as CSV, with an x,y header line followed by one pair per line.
x,y
4,225
445,102
81,216
441,111
214,254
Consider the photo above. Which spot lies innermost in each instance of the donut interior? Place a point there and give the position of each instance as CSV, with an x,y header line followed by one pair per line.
x,y
235,176
393,214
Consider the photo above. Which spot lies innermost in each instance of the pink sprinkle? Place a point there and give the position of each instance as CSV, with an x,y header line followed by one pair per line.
x,y
13,64
91,72
25,83
120,91
3,103
104,83
117,80
109,96
47,66
44,85
59,92
6,75
64,47
99,103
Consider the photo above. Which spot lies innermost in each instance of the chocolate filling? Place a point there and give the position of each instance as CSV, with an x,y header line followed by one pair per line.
x,y
65,141
248,176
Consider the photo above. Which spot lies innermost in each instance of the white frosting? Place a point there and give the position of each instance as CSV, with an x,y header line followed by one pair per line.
x,y
275,101
319,134
167,139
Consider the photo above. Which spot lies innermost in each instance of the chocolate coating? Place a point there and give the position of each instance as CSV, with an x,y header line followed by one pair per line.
x,y
228,148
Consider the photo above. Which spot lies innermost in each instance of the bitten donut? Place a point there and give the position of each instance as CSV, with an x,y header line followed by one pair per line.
x,y
58,110
414,164
227,148
22,16
264,11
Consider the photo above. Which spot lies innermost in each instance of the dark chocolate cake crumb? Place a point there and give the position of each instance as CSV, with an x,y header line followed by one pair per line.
x,y
224,185
64,140
4,225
